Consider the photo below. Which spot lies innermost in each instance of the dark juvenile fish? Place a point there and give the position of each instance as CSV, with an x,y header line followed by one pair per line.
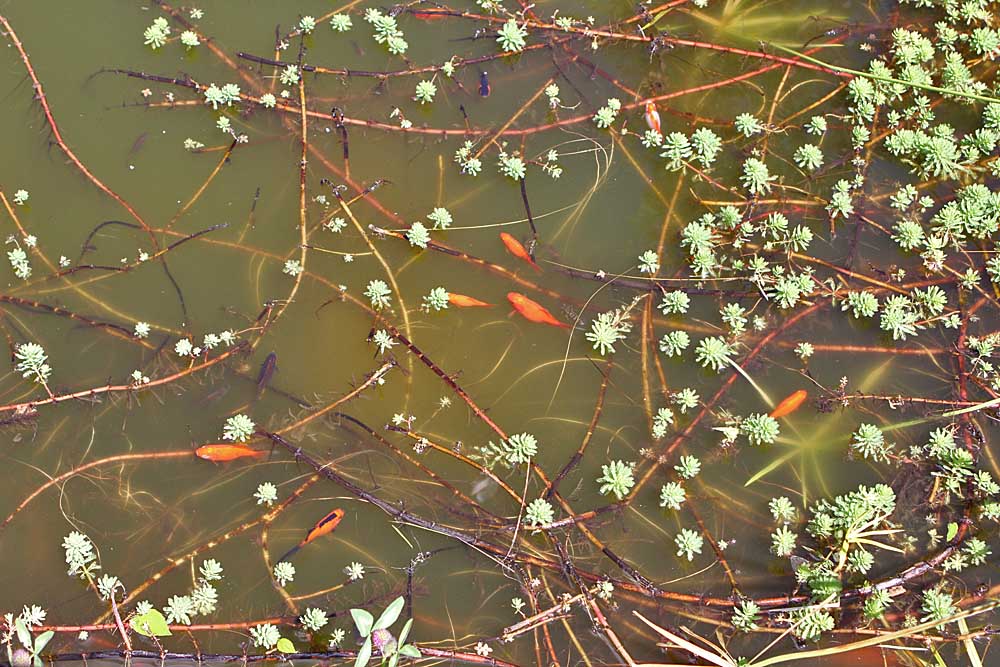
x,y
215,395
266,372
484,84
138,143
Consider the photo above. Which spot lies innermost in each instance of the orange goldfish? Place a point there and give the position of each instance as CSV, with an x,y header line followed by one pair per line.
x,y
323,527
652,117
790,404
517,249
533,312
220,451
462,301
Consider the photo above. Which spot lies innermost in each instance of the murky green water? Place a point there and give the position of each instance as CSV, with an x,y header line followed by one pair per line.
x,y
614,200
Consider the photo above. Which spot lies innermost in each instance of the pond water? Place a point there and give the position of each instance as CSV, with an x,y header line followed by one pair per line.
x,y
267,231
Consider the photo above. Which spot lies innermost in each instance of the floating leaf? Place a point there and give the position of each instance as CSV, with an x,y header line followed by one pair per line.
x,y
285,645
952,531
151,624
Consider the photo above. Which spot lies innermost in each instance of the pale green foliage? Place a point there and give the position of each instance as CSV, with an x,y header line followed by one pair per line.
x,y
869,443
32,362
760,429
808,157
386,31
340,23
608,328
440,217
688,467
747,125
606,115
437,299
377,636
265,635
239,428
156,34
307,24
313,619
782,509
672,494
676,149
685,399
511,166
378,294
539,512
511,37
649,262
756,176
816,125
674,343
783,542
937,605
18,259
861,304
745,616
876,603
515,450
80,556
284,572
616,478
425,92
663,418
418,235
674,303
266,494
179,609
290,75
713,352
809,623
689,543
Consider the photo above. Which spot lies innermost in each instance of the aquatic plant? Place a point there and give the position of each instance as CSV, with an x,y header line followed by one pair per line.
x,y
847,214
377,637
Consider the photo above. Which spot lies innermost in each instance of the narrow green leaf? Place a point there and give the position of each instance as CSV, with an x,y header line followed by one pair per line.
x,y
410,651
777,463
23,633
42,640
404,632
365,654
363,621
390,614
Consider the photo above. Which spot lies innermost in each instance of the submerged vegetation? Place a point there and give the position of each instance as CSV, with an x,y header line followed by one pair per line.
x,y
693,208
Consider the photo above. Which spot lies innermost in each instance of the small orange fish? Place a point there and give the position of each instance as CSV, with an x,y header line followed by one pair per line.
x,y
790,404
462,301
517,249
652,117
323,527
533,312
220,451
